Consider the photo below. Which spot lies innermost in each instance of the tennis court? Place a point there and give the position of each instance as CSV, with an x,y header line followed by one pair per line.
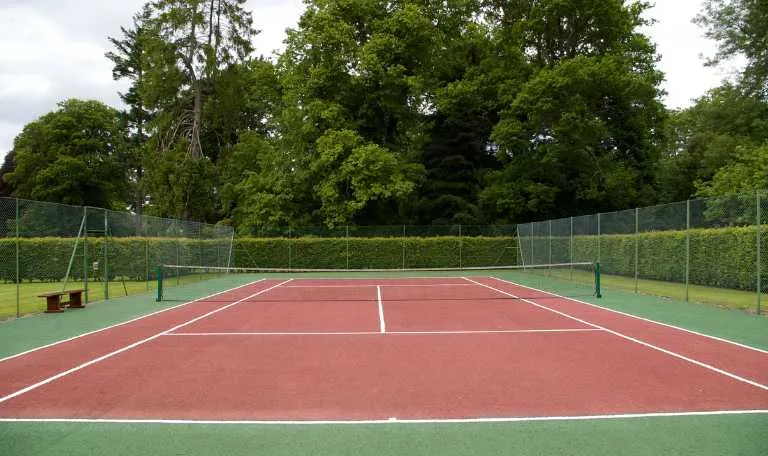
x,y
383,350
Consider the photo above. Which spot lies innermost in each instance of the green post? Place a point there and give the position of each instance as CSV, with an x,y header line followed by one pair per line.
x,y
549,246
18,257
146,262
289,248
159,283
598,237
570,248
86,266
687,246
598,294
346,238
403,265
106,257
758,252
637,247
460,248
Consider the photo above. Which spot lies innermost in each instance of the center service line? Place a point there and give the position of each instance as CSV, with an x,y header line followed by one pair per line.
x,y
382,324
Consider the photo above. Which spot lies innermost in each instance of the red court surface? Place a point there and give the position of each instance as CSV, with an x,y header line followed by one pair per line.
x,y
382,349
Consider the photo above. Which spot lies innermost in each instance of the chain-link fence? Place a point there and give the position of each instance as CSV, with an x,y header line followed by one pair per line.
x,y
47,247
706,250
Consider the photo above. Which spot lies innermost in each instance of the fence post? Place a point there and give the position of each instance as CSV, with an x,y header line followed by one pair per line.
x,y
759,259
18,257
637,247
687,246
290,253
403,247
598,237
549,246
460,248
106,255
570,249
346,237
85,252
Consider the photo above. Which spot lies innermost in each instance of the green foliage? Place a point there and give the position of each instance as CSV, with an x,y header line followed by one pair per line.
x,y
706,137
746,173
9,164
740,27
75,155
179,185
720,257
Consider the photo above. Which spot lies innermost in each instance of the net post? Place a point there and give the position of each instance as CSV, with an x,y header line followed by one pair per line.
x,y
687,246
637,246
758,227
18,256
159,283
598,293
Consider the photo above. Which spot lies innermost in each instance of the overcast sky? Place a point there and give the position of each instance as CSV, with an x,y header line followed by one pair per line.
x,y
51,50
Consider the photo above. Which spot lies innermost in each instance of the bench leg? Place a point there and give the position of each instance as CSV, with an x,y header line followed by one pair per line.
x,y
76,301
53,304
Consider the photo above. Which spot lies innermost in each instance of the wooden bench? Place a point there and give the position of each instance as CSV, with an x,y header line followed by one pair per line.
x,y
55,304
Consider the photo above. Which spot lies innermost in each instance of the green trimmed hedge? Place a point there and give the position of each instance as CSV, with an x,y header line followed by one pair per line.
x,y
719,257
374,253
131,258
723,257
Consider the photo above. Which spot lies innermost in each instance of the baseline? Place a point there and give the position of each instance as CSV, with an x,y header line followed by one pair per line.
x,y
632,339
390,421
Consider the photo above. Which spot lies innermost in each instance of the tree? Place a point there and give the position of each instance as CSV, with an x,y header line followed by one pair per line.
x,y
705,137
189,43
74,155
745,173
740,27
128,64
9,164
581,132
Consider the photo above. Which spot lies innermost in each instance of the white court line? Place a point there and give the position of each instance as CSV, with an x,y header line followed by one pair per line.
x,y
128,347
632,339
362,285
378,333
127,321
392,421
690,331
382,323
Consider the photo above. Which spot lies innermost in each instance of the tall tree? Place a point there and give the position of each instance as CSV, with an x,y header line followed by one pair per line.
x,y
74,155
189,44
9,164
580,134
740,27
128,64
705,137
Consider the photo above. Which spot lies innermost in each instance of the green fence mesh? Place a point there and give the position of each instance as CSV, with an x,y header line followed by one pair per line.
x,y
709,249
47,247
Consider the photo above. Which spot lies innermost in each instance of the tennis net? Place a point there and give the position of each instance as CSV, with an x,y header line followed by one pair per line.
x,y
187,283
